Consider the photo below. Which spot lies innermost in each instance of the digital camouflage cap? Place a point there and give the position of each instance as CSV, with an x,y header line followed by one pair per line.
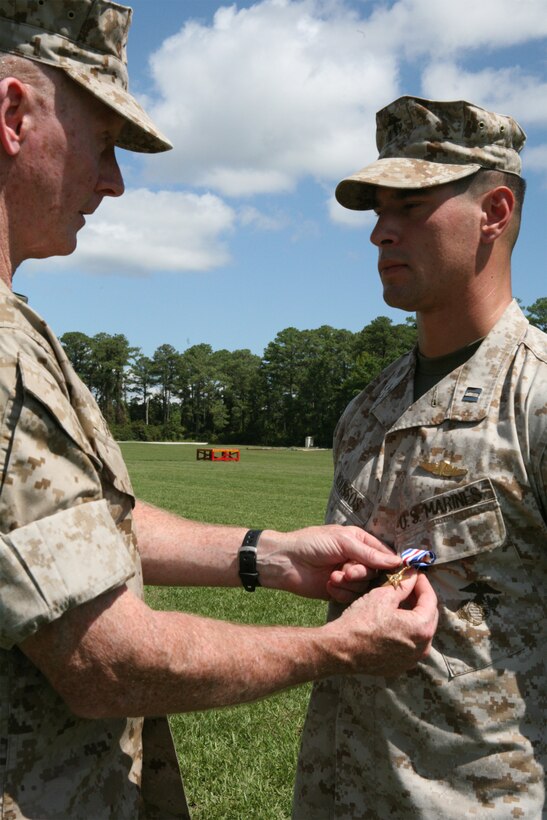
x,y
87,40
425,142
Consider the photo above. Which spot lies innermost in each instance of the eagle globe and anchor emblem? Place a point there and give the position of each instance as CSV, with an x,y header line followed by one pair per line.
x,y
485,601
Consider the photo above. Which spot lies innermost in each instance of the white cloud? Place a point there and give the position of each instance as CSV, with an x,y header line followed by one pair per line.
x,y
443,27
249,216
285,90
269,95
303,229
536,158
146,232
536,161
351,219
507,90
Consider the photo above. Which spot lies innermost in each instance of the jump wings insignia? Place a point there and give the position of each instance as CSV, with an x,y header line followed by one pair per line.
x,y
443,468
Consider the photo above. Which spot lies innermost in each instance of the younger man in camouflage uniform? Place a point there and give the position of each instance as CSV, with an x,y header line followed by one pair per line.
x,y
80,653
445,450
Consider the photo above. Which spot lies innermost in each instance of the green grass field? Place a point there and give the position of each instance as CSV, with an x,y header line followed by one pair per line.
x,y
238,763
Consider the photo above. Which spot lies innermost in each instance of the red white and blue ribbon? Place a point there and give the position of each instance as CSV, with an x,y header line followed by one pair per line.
x,y
419,559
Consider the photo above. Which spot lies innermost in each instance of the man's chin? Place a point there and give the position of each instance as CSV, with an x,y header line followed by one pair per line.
x,y
398,300
64,249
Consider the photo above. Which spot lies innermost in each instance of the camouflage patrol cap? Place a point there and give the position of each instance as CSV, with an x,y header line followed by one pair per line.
x,y
87,40
423,143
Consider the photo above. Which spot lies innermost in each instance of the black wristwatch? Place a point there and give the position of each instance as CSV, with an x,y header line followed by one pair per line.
x,y
247,560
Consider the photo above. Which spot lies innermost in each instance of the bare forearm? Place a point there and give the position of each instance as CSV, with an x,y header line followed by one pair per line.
x,y
179,552
176,551
165,662
201,666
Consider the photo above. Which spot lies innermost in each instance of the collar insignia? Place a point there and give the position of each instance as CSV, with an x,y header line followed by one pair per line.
x,y
472,394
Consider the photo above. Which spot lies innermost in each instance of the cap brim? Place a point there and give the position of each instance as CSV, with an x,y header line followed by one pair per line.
x,y
357,191
139,133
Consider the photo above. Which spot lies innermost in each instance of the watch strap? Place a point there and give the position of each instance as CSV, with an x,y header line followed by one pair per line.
x,y
247,560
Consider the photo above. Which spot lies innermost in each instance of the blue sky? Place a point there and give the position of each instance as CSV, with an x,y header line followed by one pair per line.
x,y
235,234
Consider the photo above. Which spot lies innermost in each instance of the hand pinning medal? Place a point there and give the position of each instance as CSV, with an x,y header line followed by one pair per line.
x,y
411,559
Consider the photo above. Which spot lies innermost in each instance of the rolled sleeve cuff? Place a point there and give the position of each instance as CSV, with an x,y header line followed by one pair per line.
x,y
57,563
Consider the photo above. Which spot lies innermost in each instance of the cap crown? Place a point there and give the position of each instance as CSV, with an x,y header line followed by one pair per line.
x,y
423,143
63,32
449,132
86,39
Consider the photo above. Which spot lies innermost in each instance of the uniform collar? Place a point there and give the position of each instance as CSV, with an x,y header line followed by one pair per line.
x,y
463,395
12,307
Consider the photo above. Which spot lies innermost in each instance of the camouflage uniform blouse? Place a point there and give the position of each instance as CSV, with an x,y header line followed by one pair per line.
x,y
462,471
66,536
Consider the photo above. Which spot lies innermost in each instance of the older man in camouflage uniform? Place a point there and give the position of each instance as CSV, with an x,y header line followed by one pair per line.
x,y
445,450
80,652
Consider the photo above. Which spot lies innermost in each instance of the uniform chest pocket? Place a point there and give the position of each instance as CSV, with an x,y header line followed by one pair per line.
x,y
489,608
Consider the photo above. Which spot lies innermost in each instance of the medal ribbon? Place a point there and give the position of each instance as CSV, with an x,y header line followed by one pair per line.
x,y
419,559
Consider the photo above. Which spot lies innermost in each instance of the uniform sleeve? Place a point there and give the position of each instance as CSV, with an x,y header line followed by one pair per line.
x,y
542,481
59,545
535,416
58,562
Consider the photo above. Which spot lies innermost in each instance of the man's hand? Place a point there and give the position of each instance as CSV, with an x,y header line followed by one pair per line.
x,y
388,630
331,561
351,580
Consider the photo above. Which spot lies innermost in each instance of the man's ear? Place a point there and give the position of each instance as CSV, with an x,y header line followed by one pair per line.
x,y
14,110
498,206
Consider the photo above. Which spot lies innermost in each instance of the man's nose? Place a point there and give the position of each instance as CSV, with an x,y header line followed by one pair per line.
x,y
385,231
111,180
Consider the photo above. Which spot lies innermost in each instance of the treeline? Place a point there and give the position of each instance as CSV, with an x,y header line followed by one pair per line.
x,y
298,388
